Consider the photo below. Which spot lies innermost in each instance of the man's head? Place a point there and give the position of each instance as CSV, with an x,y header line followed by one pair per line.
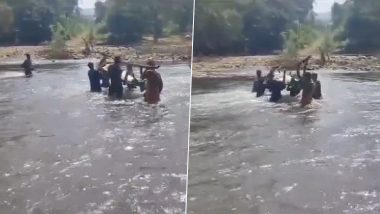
x,y
258,73
151,63
27,56
90,65
117,60
314,77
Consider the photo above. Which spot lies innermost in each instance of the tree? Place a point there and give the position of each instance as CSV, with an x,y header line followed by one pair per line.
x,y
291,44
217,31
34,25
339,14
182,15
6,23
123,21
261,22
6,18
125,26
162,12
328,46
100,11
33,19
360,24
263,28
128,20
58,45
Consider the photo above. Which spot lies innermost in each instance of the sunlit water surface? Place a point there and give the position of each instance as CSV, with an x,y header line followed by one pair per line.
x,y
64,150
250,156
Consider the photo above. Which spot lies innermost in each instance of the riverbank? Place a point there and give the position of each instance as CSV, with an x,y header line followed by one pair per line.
x,y
223,67
171,50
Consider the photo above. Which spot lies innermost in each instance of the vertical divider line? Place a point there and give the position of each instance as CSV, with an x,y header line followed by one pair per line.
x,y
189,126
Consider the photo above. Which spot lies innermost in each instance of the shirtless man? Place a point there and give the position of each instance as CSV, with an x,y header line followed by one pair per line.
x,y
154,83
308,89
307,84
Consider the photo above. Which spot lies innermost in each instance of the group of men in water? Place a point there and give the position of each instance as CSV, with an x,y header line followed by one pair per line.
x,y
150,80
308,83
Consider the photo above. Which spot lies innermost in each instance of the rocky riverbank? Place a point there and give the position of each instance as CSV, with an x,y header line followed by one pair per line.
x,y
167,50
246,65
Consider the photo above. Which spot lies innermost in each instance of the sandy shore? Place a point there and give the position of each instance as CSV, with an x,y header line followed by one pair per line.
x,y
166,51
236,67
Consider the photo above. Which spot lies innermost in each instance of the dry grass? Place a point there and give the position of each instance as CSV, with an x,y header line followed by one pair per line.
x,y
174,48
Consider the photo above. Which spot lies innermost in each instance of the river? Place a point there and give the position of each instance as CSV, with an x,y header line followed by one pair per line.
x,y
66,150
249,156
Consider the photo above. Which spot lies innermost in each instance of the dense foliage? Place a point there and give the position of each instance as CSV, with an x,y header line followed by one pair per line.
x,y
100,11
31,21
123,21
6,23
359,22
270,26
246,26
128,20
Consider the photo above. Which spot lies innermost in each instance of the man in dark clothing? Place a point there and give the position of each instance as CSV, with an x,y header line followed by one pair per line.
x,y
94,77
318,88
27,65
294,86
275,86
258,84
115,73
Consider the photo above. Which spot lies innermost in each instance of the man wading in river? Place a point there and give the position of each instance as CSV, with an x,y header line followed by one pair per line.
x,y
258,84
295,85
318,88
307,85
154,83
27,65
94,77
308,89
115,72
275,86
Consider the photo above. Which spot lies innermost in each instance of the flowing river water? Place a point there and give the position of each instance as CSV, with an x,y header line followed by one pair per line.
x,y
65,150
249,156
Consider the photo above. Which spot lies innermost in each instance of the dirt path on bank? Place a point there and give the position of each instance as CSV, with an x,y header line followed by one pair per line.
x,y
206,67
174,49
